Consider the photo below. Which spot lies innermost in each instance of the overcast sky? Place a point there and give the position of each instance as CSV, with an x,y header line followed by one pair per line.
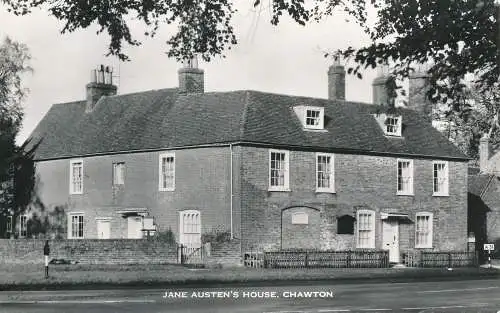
x,y
287,59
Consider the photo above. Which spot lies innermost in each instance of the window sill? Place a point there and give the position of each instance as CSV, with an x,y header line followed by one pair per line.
x,y
167,189
278,189
423,247
400,193
75,193
440,195
317,130
325,191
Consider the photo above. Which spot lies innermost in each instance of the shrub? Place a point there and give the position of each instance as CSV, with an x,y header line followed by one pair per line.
x,y
166,236
216,236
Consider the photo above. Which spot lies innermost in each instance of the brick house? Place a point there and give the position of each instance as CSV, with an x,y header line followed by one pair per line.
x,y
274,171
484,197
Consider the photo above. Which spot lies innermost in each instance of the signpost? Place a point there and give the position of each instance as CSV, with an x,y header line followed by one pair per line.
x,y
489,247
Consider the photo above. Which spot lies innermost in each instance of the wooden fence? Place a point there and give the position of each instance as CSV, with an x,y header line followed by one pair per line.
x,y
440,259
317,259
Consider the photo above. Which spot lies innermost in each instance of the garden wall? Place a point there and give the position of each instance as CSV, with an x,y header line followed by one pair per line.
x,y
89,251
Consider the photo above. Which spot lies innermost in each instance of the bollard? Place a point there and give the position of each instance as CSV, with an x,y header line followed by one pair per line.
x,y
46,253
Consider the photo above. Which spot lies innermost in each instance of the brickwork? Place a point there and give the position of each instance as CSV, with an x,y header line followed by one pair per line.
x,y
201,183
225,253
362,182
30,251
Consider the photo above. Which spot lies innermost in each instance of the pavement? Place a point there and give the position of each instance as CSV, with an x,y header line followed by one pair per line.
x,y
478,296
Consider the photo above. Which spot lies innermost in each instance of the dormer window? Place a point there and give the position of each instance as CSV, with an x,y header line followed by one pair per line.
x,y
393,125
311,117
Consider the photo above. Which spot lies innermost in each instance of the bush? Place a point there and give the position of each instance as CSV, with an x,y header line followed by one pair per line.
x,y
166,236
216,236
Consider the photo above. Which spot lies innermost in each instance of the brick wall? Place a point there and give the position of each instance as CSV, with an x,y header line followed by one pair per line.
x,y
202,183
225,253
361,182
26,251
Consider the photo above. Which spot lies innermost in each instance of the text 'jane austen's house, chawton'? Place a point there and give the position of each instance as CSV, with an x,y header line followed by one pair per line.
x,y
272,171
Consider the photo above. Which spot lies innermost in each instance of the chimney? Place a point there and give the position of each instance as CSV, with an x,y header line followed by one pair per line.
x,y
419,86
484,153
380,92
336,81
101,84
191,78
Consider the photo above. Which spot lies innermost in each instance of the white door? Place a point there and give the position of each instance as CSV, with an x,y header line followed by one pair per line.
x,y
134,227
390,239
190,229
103,229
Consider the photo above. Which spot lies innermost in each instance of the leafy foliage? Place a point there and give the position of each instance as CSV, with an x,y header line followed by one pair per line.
x,y
203,26
16,166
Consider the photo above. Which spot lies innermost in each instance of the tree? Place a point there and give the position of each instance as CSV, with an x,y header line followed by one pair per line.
x,y
16,166
457,36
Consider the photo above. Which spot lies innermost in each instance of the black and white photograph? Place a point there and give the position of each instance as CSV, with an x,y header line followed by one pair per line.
x,y
250,156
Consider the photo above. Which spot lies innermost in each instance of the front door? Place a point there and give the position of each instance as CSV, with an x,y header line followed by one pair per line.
x,y
134,227
190,229
390,239
103,229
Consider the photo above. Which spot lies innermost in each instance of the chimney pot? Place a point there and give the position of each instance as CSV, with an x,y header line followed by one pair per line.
x,y
381,94
101,84
191,78
484,153
336,81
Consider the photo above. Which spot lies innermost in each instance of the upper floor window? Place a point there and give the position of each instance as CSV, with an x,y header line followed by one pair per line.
x,y
405,177
440,175
278,170
76,177
23,226
119,173
366,229
393,125
314,118
423,230
325,181
167,172
75,227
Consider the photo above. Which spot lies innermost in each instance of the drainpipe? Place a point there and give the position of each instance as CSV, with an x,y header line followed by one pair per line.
x,y
231,183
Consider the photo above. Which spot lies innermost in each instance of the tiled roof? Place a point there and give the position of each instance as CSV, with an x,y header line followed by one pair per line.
x,y
162,119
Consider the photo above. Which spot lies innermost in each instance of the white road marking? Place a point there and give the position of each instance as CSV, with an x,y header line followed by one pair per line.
x,y
375,310
438,307
334,310
453,290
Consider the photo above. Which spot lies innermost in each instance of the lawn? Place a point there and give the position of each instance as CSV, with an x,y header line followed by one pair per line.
x,y
65,276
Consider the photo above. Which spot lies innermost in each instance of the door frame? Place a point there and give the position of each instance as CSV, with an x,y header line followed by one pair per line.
x,y
128,226
394,248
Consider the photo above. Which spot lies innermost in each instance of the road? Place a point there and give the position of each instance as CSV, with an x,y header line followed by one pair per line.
x,y
478,296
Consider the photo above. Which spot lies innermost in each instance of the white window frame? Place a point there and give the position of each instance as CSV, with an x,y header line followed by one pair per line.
x,y
398,125
410,191
371,243
70,225
71,180
9,225
23,226
118,177
161,180
320,119
286,176
331,180
445,191
430,225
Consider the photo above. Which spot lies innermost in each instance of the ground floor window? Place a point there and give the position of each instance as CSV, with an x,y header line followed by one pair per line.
x,y
423,230
365,229
76,226
345,225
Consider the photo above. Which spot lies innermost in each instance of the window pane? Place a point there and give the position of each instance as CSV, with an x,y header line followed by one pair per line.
x,y
277,170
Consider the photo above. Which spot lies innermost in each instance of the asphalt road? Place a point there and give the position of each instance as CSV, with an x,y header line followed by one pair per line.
x,y
478,296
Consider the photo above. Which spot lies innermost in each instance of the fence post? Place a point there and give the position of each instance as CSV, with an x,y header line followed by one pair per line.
x,y
421,260
449,259
348,259
306,261
264,256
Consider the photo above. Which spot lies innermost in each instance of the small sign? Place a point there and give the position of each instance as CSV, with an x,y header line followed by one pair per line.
x,y
489,247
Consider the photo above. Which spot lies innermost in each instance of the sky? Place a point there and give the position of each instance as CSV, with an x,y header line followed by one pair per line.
x,y
286,59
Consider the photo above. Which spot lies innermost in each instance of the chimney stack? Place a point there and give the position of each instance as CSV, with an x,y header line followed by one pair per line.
x,y
101,84
336,81
419,86
191,78
484,153
381,94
